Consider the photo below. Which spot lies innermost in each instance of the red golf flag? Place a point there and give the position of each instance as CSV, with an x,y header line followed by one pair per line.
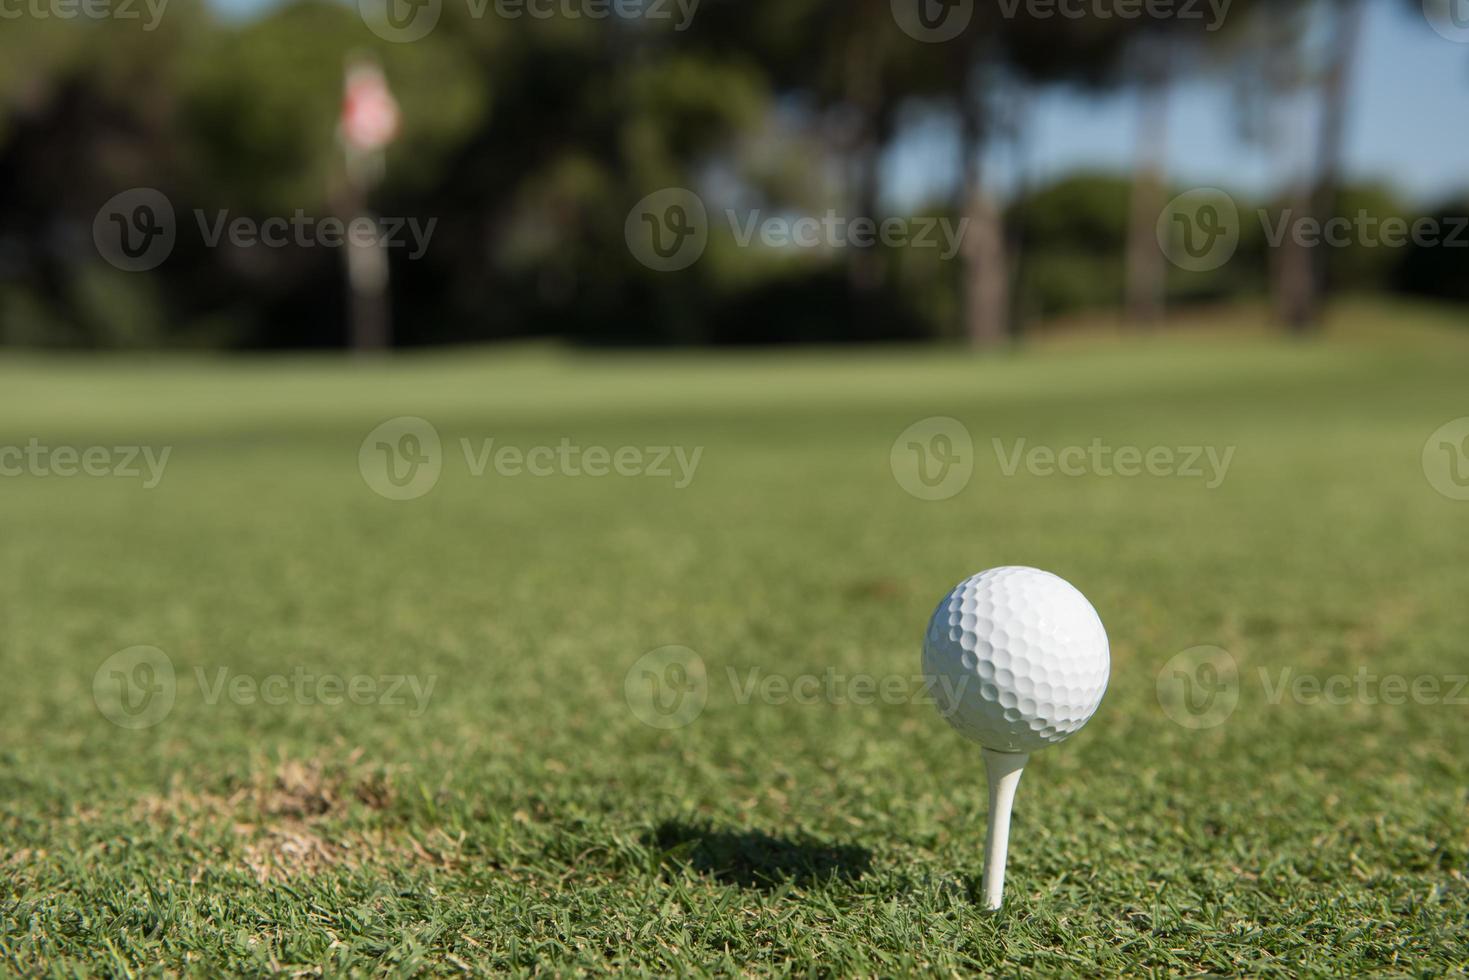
x,y
370,116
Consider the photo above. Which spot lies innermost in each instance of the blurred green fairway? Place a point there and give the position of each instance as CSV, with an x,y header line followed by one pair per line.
x,y
527,818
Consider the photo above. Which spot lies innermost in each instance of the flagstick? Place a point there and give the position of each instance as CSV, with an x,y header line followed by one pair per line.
x,y
368,124
367,262
1003,769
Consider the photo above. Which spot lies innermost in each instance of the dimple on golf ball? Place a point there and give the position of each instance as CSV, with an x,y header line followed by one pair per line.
x,y
1017,659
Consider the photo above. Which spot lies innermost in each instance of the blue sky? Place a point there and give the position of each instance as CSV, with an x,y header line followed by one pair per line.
x,y
1410,103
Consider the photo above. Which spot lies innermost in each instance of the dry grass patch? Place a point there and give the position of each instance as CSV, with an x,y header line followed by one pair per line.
x,y
288,817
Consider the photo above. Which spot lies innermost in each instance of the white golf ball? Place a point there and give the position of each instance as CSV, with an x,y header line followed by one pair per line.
x,y
1018,659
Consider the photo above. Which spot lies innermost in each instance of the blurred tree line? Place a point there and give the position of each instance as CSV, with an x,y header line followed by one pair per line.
x,y
528,140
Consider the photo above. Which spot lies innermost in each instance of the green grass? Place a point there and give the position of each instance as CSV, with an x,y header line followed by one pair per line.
x,y
527,819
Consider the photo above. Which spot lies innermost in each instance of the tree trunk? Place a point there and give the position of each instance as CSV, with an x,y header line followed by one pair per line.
x,y
986,281
864,94
865,269
1291,278
1147,271
1301,273
1292,268
1016,225
1331,146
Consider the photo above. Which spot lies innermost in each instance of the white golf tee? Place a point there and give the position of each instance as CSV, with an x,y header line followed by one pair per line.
x,y
1003,769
